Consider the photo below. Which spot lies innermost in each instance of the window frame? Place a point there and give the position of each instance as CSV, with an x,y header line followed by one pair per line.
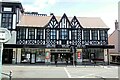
x,y
7,20
94,34
31,33
39,35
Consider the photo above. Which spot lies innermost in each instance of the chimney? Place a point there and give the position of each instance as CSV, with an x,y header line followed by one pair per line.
x,y
116,25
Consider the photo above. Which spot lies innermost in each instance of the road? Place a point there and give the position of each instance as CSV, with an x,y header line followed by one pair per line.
x,y
51,71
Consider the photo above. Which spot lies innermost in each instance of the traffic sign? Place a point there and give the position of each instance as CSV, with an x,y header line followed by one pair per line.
x,y
5,35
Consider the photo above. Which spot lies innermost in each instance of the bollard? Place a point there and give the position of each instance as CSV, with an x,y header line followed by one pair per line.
x,y
10,75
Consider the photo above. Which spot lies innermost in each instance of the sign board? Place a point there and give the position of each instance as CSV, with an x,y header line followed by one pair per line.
x,y
4,35
79,55
47,55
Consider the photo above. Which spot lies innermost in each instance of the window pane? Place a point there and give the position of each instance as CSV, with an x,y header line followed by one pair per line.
x,y
31,33
7,20
53,34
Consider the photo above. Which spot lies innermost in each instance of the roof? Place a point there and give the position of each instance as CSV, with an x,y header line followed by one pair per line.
x,y
34,21
41,21
91,22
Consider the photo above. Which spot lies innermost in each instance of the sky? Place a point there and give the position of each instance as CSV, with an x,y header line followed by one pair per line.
x,y
107,10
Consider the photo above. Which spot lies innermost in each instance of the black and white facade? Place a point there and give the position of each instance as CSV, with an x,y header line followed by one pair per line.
x,y
40,38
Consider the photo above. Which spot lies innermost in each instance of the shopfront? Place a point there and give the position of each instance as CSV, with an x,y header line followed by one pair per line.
x,y
32,55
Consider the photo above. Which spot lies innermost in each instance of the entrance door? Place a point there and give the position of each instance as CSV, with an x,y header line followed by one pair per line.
x,y
61,58
32,58
92,55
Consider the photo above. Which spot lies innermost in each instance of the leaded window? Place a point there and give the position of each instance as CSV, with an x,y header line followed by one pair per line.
x,y
94,34
39,34
103,35
7,20
74,35
31,33
86,34
21,33
64,34
53,34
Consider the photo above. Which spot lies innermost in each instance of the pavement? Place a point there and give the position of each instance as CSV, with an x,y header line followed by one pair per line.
x,y
63,71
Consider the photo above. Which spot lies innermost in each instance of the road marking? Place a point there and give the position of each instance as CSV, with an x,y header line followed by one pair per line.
x,y
68,74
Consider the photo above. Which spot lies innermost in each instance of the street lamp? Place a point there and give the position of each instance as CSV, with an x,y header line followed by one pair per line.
x,y
73,50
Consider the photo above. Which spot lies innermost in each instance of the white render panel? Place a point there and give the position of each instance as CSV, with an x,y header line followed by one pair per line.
x,y
14,21
18,55
59,42
35,33
105,55
90,35
26,33
70,35
98,35
44,34
57,35
67,42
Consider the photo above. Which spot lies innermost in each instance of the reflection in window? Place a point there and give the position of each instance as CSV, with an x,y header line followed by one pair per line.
x,y
64,34
53,34
27,52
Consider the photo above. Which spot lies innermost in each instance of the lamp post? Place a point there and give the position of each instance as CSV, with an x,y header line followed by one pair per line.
x,y
73,50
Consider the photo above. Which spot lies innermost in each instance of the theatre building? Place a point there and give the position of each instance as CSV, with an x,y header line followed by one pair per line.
x,y
41,38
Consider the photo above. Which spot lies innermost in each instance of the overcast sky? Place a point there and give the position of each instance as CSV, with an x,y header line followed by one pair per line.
x,y
106,9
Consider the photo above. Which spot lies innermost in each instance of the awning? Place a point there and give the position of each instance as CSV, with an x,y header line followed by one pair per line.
x,y
23,46
100,46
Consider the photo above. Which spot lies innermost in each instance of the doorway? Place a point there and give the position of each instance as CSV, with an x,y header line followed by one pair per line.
x,y
7,56
32,58
61,58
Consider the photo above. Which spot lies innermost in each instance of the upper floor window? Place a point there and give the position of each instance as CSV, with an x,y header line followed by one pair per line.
x,y
94,34
53,34
64,34
7,20
39,34
103,34
86,34
74,35
31,33
21,33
